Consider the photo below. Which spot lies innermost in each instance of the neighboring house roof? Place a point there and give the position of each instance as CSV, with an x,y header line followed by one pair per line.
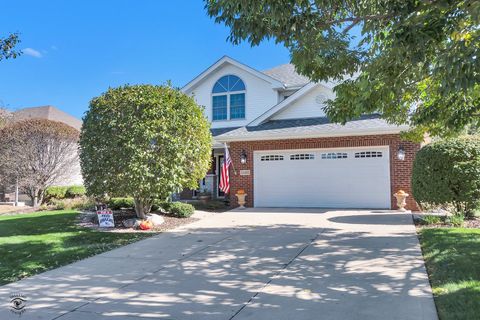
x,y
287,74
276,84
49,113
311,127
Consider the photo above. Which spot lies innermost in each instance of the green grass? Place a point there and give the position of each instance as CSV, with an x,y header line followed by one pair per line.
x,y
36,242
452,257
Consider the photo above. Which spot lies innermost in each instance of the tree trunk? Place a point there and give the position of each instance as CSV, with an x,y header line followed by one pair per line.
x,y
142,207
35,198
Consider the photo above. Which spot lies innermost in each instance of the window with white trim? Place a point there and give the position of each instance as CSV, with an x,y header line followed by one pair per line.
x,y
302,156
368,154
271,157
228,98
334,155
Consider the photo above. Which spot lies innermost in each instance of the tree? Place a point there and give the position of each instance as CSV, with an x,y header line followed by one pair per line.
x,y
7,47
418,60
145,142
36,154
5,116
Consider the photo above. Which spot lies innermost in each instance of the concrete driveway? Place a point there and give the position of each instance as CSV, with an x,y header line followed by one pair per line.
x,y
251,264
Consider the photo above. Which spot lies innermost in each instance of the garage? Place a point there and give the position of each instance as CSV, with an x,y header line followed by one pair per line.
x,y
325,178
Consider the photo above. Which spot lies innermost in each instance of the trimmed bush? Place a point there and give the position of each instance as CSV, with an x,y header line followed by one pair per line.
x,y
55,192
75,191
181,210
448,172
161,205
119,203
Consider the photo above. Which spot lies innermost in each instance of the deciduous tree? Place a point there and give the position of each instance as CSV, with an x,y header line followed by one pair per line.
x,y
7,47
418,60
145,142
37,153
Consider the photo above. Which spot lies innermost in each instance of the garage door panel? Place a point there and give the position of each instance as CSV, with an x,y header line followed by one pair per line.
x,y
320,182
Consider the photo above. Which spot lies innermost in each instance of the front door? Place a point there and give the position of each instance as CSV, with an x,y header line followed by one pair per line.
x,y
220,193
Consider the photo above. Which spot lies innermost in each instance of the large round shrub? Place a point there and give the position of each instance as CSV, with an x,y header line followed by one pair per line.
x,y
448,172
145,142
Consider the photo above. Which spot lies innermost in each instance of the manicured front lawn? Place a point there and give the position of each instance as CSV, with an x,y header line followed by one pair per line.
x,y
32,243
452,257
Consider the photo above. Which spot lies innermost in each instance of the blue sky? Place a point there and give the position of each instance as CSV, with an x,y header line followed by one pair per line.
x,y
75,50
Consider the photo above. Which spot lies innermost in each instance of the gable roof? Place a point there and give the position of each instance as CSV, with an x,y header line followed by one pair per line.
x,y
49,113
311,127
287,74
291,99
276,84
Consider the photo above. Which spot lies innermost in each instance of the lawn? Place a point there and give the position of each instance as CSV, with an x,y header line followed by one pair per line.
x,y
36,242
452,257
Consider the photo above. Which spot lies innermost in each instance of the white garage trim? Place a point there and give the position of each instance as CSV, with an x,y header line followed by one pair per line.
x,y
356,177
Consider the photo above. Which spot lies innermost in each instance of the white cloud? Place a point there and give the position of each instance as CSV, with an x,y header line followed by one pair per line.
x,y
32,52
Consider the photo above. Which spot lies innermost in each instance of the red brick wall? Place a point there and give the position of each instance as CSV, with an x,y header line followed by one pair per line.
x,y
400,171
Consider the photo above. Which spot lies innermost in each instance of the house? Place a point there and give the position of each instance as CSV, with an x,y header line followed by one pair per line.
x,y
286,152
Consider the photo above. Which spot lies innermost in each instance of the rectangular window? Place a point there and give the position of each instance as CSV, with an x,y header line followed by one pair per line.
x,y
219,107
237,106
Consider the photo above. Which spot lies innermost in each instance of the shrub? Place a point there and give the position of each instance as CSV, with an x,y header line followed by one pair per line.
x,y
431,219
181,210
456,220
161,205
55,192
79,203
119,203
448,171
75,191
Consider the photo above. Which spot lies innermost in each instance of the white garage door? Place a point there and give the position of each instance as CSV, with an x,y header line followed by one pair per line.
x,y
328,178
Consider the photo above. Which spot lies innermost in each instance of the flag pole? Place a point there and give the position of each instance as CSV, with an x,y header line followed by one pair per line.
x,y
233,166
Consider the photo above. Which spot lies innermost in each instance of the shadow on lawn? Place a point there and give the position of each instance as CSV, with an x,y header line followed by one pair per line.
x,y
21,225
211,273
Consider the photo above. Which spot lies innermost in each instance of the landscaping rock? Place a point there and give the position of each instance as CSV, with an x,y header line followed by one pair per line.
x,y
155,219
131,223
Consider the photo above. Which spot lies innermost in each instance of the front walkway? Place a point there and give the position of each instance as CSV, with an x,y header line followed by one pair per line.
x,y
253,264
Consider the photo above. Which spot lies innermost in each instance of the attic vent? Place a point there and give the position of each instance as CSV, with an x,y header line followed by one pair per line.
x,y
320,99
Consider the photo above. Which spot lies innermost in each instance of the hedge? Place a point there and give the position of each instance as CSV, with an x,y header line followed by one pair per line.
x,y
448,172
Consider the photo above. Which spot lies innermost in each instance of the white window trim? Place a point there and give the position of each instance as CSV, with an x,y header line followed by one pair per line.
x,y
228,93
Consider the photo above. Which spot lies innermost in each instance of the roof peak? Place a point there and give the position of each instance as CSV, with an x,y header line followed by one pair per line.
x,y
288,75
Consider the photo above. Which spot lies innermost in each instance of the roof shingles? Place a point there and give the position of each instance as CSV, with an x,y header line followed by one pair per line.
x,y
309,127
287,74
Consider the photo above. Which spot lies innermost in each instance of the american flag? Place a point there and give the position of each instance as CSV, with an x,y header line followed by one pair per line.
x,y
224,175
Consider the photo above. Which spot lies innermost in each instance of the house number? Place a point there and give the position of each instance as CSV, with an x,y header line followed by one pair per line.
x,y
244,172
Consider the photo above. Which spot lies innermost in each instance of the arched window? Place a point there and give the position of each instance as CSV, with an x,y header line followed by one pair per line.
x,y
228,98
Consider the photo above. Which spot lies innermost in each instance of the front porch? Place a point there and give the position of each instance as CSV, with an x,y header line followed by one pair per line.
x,y
209,184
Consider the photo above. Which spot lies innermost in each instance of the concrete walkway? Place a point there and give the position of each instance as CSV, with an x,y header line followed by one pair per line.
x,y
253,264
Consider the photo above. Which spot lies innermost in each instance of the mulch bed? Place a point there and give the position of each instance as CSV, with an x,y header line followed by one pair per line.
x,y
89,220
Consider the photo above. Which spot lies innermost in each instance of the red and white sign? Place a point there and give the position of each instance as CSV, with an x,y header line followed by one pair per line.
x,y
105,218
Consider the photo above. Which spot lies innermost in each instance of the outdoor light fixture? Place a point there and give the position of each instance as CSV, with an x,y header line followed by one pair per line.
x,y
243,157
401,153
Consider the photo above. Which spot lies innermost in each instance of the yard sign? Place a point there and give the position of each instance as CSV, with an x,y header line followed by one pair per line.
x,y
105,218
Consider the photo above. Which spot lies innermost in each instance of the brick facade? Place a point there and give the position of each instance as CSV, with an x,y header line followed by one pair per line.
x,y
400,171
